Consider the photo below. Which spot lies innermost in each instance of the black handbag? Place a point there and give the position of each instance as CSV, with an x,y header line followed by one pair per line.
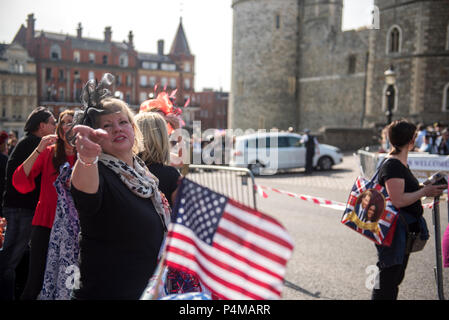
x,y
414,240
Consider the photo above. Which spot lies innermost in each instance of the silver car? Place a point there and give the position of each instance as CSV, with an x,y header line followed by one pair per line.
x,y
265,153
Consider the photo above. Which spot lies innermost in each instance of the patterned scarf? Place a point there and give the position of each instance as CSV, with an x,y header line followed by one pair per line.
x,y
141,182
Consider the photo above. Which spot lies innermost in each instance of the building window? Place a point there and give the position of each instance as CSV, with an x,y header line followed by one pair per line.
x,y
278,21
187,67
446,98
143,81
76,56
172,82
55,52
91,57
163,82
149,65
394,40
61,75
105,59
61,94
123,60
447,38
129,80
143,96
91,75
152,81
187,84
168,66
352,63
48,74
4,87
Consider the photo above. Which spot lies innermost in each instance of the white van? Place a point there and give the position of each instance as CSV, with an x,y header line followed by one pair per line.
x,y
265,153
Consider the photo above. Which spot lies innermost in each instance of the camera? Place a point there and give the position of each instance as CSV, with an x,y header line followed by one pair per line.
x,y
436,179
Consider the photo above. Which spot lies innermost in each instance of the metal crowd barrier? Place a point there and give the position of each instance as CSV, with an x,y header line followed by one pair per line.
x,y
235,183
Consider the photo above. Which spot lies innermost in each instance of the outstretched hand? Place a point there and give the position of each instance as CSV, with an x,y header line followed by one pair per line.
x,y
87,140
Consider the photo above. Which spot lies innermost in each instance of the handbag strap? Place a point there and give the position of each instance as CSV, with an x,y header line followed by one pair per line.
x,y
378,169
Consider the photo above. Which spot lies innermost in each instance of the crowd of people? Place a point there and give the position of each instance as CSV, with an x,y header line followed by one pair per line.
x,y
93,190
90,191
433,139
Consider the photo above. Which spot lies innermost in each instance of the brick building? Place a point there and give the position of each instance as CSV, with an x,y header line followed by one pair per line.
x,y
64,63
213,109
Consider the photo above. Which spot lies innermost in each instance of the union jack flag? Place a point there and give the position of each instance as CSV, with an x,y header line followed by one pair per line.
x,y
237,252
380,231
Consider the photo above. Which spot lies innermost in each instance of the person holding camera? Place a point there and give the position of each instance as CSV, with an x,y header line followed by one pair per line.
x,y
405,193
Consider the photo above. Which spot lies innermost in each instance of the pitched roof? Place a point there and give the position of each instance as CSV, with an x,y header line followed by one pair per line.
x,y
180,45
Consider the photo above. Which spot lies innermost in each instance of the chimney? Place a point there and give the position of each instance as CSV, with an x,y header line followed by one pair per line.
x,y
30,28
107,34
130,39
79,31
160,47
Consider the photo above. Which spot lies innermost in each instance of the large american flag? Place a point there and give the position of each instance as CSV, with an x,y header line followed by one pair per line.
x,y
237,252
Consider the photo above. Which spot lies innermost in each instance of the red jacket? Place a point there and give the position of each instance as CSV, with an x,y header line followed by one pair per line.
x,y
46,207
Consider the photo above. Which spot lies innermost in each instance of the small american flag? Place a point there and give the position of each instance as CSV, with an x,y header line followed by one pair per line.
x,y
237,252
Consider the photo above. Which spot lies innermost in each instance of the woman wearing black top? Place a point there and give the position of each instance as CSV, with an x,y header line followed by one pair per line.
x,y
122,216
405,193
156,152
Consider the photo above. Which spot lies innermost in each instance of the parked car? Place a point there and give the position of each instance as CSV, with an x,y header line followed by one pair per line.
x,y
265,153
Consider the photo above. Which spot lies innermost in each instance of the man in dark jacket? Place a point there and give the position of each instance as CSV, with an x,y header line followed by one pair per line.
x,y
309,142
18,209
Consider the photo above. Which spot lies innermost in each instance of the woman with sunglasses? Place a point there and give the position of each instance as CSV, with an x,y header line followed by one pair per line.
x,y
53,151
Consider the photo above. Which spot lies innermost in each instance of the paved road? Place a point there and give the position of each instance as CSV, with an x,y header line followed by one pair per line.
x,y
330,261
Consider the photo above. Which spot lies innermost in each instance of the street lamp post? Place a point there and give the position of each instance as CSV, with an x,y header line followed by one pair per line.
x,y
390,79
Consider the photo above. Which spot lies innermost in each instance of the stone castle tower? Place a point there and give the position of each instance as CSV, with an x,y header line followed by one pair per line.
x,y
294,66
264,63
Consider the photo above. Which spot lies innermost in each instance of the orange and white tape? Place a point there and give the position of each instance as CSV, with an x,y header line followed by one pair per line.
x,y
319,201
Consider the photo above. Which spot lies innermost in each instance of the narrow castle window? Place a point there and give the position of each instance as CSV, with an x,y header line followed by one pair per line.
x,y
447,38
352,63
278,21
394,40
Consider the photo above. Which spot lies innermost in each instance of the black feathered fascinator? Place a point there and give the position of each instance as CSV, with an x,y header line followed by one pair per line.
x,y
91,96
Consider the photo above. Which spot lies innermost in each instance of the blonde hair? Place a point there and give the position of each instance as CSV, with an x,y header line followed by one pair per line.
x,y
156,147
113,105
